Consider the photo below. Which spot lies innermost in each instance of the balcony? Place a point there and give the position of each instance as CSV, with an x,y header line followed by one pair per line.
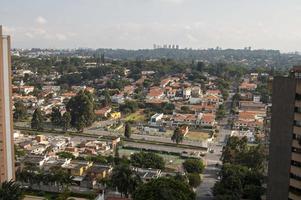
x,y
293,196
298,103
297,130
295,183
296,144
295,170
298,89
296,157
297,116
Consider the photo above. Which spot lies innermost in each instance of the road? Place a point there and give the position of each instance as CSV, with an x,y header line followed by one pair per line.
x,y
210,173
204,191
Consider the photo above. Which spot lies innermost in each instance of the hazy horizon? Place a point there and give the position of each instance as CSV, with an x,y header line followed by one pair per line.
x,y
138,24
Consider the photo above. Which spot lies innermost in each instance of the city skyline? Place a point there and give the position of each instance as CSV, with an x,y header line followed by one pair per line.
x,y
140,24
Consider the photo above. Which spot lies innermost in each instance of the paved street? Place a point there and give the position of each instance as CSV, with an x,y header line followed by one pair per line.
x,y
210,173
204,191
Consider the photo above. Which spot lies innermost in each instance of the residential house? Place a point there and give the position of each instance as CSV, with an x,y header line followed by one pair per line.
x,y
155,118
118,98
103,112
246,86
155,93
208,120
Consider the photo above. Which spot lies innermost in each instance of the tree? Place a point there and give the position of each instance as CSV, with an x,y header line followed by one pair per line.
x,y
147,160
238,182
177,136
20,111
37,120
65,195
194,179
10,191
185,109
56,117
106,100
66,121
127,130
65,154
200,66
129,107
164,189
221,112
193,165
81,108
124,179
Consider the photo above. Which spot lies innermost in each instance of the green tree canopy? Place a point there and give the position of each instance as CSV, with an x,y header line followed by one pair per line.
x,y
37,120
177,136
239,182
10,191
124,179
56,117
20,111
193,165
194,179
164,189
147,160
81,108
127,130
66,121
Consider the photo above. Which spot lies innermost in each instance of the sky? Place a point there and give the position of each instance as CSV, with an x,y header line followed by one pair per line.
x,y
138,24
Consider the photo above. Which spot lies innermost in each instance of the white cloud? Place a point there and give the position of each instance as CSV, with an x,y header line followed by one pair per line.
x,y
60,36
41,20
30,35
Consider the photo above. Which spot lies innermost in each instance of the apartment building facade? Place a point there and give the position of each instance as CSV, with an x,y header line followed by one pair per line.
x,y
7,171
284,168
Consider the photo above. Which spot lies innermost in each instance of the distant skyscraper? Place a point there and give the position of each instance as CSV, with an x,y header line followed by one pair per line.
x,y
7,169
284,171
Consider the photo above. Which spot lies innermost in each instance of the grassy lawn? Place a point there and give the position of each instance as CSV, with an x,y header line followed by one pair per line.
x,y
136,117
171,161
199,136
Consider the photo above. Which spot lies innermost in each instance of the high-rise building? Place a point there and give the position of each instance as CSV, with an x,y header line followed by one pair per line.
x,y
7,169
284,168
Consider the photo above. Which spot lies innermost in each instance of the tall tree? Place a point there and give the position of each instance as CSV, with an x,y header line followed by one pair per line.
x,y
193,165
164,189
124,179
20,111
81,108
10,191
194,179
127,130
56,117
177,136
37,120
66,121
147,160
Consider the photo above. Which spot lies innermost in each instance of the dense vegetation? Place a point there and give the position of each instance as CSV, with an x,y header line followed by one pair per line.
x,y
147,160
164,189
242,171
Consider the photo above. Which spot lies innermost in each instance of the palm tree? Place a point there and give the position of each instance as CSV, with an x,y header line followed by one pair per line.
x,y
10,191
